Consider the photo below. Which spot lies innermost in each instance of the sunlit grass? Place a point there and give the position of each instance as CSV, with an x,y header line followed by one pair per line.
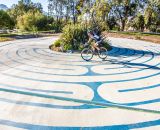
x,y
3,39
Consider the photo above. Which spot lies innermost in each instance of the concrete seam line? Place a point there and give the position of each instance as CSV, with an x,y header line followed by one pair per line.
x,y
80,101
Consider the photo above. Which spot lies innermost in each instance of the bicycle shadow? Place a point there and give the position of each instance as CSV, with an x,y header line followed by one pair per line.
x,y
123,53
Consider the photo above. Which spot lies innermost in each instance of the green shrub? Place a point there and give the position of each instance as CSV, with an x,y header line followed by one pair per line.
x,y
56,25
73,36
57,43
116,28
107,45
138,36
158,30
32,21
5,20
153,28
67,47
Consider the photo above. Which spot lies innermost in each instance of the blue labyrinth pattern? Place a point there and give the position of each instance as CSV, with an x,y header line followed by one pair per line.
x,y
130,76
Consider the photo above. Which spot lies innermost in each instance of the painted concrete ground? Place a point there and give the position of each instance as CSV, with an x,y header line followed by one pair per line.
x,y
43,90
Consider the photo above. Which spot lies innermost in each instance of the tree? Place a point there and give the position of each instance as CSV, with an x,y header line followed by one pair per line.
x,y
99,17
32,21
152,15
138,22
68,9
112,23
123,9
21,8
5,20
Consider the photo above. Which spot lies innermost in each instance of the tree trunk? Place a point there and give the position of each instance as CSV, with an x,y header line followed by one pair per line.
x,y
123,25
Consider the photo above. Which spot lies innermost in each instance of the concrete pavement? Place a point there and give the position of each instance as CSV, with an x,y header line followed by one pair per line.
x,y
43,90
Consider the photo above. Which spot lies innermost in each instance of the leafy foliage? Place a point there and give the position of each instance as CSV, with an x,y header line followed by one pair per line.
x,y
102,14
57,26
32,21
124,9
152,15
5,20
100,11
21,8
73,36
138,22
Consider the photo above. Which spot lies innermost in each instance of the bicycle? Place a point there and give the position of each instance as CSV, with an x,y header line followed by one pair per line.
x,y
89,50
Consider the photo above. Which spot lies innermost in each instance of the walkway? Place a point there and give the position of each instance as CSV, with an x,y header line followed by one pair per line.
x,y
43,90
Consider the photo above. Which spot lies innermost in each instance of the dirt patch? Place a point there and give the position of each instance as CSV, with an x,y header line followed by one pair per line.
x,y
150,38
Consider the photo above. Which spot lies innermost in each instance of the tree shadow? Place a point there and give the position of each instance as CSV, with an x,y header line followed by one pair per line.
x,y
122,53
137,52
24,36
128,64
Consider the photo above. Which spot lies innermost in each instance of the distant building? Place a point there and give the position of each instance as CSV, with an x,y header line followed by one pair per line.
x,y
26,1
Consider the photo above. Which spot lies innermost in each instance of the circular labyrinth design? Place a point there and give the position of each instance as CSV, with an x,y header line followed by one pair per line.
x,y
41,89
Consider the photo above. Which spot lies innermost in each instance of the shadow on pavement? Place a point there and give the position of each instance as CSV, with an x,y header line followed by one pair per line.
x,y
137,52
119,55
132,64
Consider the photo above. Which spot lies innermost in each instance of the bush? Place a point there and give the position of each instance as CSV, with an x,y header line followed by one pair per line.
x,y
57,43
116,28
153,28
158,30
57,26
73,36
138,36
5,20
32,21
107,45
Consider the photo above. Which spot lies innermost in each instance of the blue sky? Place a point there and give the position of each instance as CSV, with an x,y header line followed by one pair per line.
x,y
9,3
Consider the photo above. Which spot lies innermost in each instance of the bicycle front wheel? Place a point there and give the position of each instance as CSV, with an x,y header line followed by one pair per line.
x,y
103,53
87,54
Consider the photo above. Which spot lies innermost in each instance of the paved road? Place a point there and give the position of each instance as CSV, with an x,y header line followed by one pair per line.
x,y
43,90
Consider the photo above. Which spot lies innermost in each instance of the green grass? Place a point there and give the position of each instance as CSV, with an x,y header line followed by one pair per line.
x,y
7,35
25,33
15,34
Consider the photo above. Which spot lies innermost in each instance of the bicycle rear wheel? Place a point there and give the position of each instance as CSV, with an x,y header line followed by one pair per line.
x,y
103,53
87,54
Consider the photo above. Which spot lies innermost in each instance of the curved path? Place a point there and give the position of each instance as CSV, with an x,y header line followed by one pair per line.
x,y
41,89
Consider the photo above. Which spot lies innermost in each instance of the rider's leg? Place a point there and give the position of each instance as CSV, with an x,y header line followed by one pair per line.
x,y
96,46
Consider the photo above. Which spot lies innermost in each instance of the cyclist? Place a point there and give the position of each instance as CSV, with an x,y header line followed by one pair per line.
x,y
93,37
95,47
